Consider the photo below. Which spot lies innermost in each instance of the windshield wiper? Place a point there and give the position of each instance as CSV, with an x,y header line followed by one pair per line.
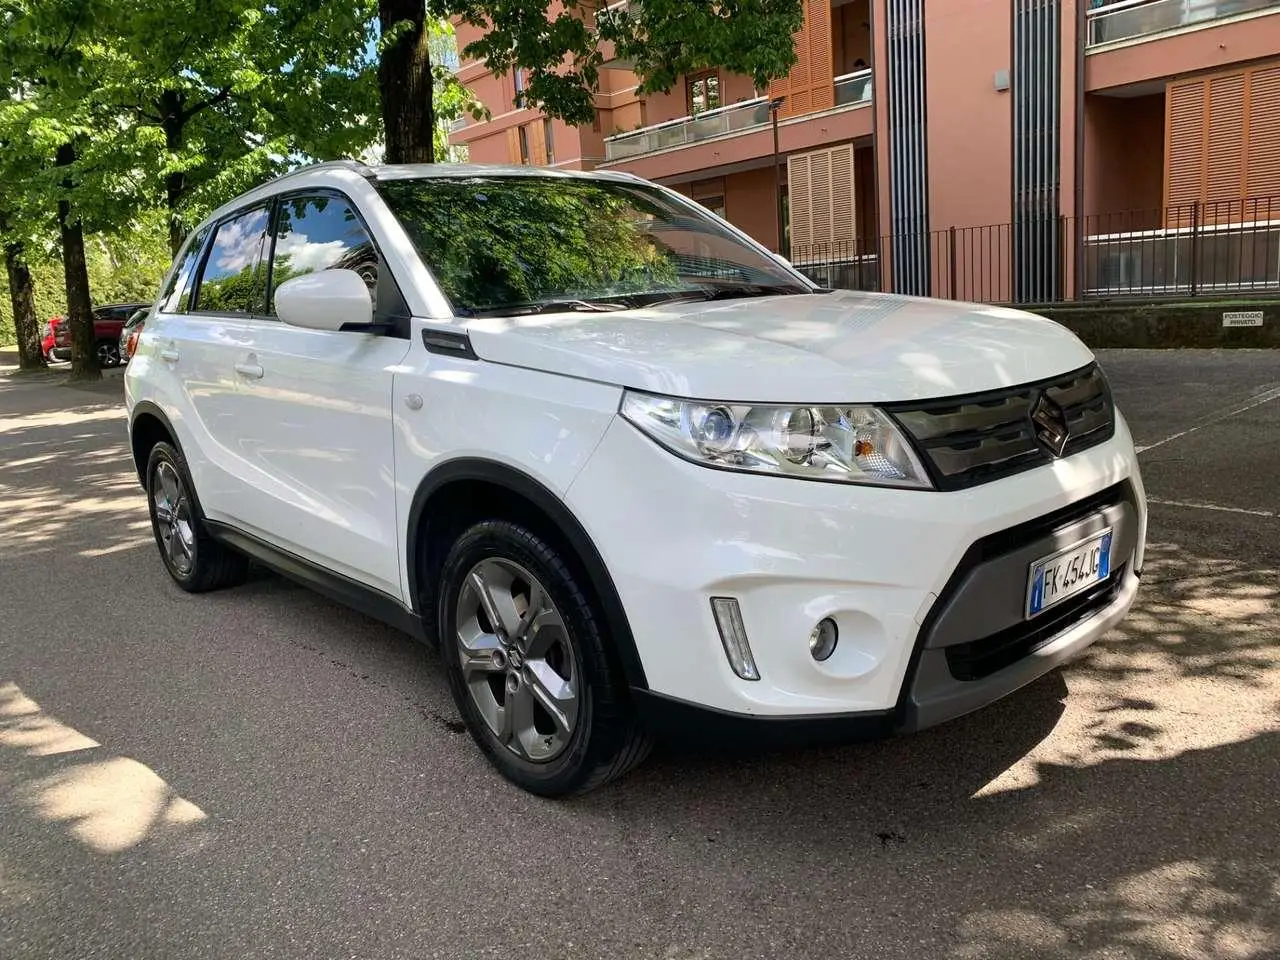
x,y
546,306
733,292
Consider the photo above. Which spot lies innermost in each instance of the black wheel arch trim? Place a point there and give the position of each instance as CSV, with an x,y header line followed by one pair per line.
x,y
520,483
150,409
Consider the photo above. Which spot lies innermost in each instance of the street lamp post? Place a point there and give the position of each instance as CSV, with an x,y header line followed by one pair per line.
x,y
774,106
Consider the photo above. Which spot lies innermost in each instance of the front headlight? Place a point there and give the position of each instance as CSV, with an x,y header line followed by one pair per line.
x,y
856,444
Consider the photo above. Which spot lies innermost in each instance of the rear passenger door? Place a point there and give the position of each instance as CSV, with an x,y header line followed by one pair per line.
x,y
316,427
202,320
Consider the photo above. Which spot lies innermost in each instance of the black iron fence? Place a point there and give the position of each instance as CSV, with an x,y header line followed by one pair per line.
x,y
1188,250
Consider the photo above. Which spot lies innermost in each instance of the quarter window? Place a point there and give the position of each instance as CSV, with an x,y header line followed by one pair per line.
x,y
233,281
321,233
177,294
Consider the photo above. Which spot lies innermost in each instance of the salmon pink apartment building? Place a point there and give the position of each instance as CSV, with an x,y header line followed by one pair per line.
x,y
996,150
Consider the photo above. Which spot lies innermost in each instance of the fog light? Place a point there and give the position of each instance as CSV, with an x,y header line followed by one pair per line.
x,y
733,634
822,642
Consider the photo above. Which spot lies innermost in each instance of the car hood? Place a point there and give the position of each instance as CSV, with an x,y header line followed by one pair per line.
x,y
840,347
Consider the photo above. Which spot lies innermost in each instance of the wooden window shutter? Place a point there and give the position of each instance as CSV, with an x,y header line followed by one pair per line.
x,y
1262,159
1222,145
842,202
513,145
1224,149
820,187
821,54
537,145
1185,152
808,86
799,200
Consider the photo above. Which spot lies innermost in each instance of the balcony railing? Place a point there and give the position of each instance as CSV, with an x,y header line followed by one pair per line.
x,y
853,88
675,133
1132,19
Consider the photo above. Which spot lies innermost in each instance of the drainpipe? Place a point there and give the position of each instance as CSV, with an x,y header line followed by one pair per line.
x,y
1081,32
774,106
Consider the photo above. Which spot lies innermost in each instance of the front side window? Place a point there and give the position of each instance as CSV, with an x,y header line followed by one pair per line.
x,y
497,243
321,233
233,280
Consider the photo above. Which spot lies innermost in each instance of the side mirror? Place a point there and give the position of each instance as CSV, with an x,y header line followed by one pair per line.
x,y
782,260
325,300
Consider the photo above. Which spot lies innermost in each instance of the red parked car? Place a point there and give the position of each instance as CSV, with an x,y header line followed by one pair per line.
x,y
108,322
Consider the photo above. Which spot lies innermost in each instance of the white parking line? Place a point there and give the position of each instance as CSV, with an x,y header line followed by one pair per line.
x,y
1256,400
1211,506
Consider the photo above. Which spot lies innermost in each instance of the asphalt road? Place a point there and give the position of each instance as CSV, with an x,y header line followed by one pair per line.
x,y
261,773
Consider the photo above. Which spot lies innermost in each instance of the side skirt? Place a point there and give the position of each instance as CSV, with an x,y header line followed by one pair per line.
x,y
367,600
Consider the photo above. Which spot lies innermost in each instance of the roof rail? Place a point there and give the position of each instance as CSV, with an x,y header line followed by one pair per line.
x,y
355,166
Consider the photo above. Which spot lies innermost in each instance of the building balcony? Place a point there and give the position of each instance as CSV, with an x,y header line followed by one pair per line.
x,y
854,88
1137,20
685,130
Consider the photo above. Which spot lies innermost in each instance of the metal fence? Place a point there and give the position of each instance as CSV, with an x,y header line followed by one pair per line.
x,y
1189,250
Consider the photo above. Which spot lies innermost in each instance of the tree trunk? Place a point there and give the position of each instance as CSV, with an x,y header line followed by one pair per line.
x,y
23,296
404,83
84,356
172,104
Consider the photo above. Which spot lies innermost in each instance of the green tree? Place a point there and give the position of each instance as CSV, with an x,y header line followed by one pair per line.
x,y
561,52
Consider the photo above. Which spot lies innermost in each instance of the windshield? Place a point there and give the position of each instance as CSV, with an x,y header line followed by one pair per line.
x,y
500,244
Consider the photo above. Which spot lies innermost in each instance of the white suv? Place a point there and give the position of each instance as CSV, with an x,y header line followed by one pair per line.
x,y
633,472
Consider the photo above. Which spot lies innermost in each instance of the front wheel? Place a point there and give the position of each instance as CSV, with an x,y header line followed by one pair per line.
x,y
528,666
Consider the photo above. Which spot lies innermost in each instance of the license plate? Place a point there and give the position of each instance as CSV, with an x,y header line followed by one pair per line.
x,y
1064,574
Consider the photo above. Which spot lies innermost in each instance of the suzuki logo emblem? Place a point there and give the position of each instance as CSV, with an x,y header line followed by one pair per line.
x,y
1050,422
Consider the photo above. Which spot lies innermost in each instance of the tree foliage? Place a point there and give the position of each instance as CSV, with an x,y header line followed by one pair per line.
x,y
562,51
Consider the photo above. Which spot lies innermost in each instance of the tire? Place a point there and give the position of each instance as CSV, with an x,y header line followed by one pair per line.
x,y
108,353
555,656
196,562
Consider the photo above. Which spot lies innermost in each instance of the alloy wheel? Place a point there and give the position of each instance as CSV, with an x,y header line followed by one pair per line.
x,y
519,665
173,519
108,354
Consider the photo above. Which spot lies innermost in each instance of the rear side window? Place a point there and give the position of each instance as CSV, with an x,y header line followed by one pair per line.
x,y
233,279
321,233
176,296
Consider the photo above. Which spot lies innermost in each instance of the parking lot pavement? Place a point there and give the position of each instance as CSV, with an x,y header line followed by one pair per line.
x,y
260,773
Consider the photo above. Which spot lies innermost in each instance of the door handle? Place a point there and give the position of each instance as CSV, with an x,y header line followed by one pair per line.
x,y
169,352
251,370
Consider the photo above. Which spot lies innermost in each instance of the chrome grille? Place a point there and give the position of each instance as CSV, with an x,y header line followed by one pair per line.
x,y
974,439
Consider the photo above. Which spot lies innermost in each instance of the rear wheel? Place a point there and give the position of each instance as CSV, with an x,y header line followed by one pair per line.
x,y
196,562
528,666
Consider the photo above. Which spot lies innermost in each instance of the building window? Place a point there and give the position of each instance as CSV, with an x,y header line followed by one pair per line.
x,y
518,82
715,205
548,134
704,92
524,145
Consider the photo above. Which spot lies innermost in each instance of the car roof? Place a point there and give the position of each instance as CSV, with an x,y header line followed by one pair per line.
x,y
334,173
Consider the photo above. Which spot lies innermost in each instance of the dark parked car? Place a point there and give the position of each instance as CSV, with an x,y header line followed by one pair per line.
x,y
108,322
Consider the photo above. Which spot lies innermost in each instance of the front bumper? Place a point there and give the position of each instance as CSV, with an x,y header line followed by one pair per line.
x,y
926,587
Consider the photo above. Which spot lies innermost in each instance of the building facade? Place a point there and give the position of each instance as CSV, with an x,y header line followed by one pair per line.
x,y
996,150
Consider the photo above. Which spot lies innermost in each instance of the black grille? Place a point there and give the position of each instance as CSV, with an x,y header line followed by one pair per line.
x,y
981,658
975,439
